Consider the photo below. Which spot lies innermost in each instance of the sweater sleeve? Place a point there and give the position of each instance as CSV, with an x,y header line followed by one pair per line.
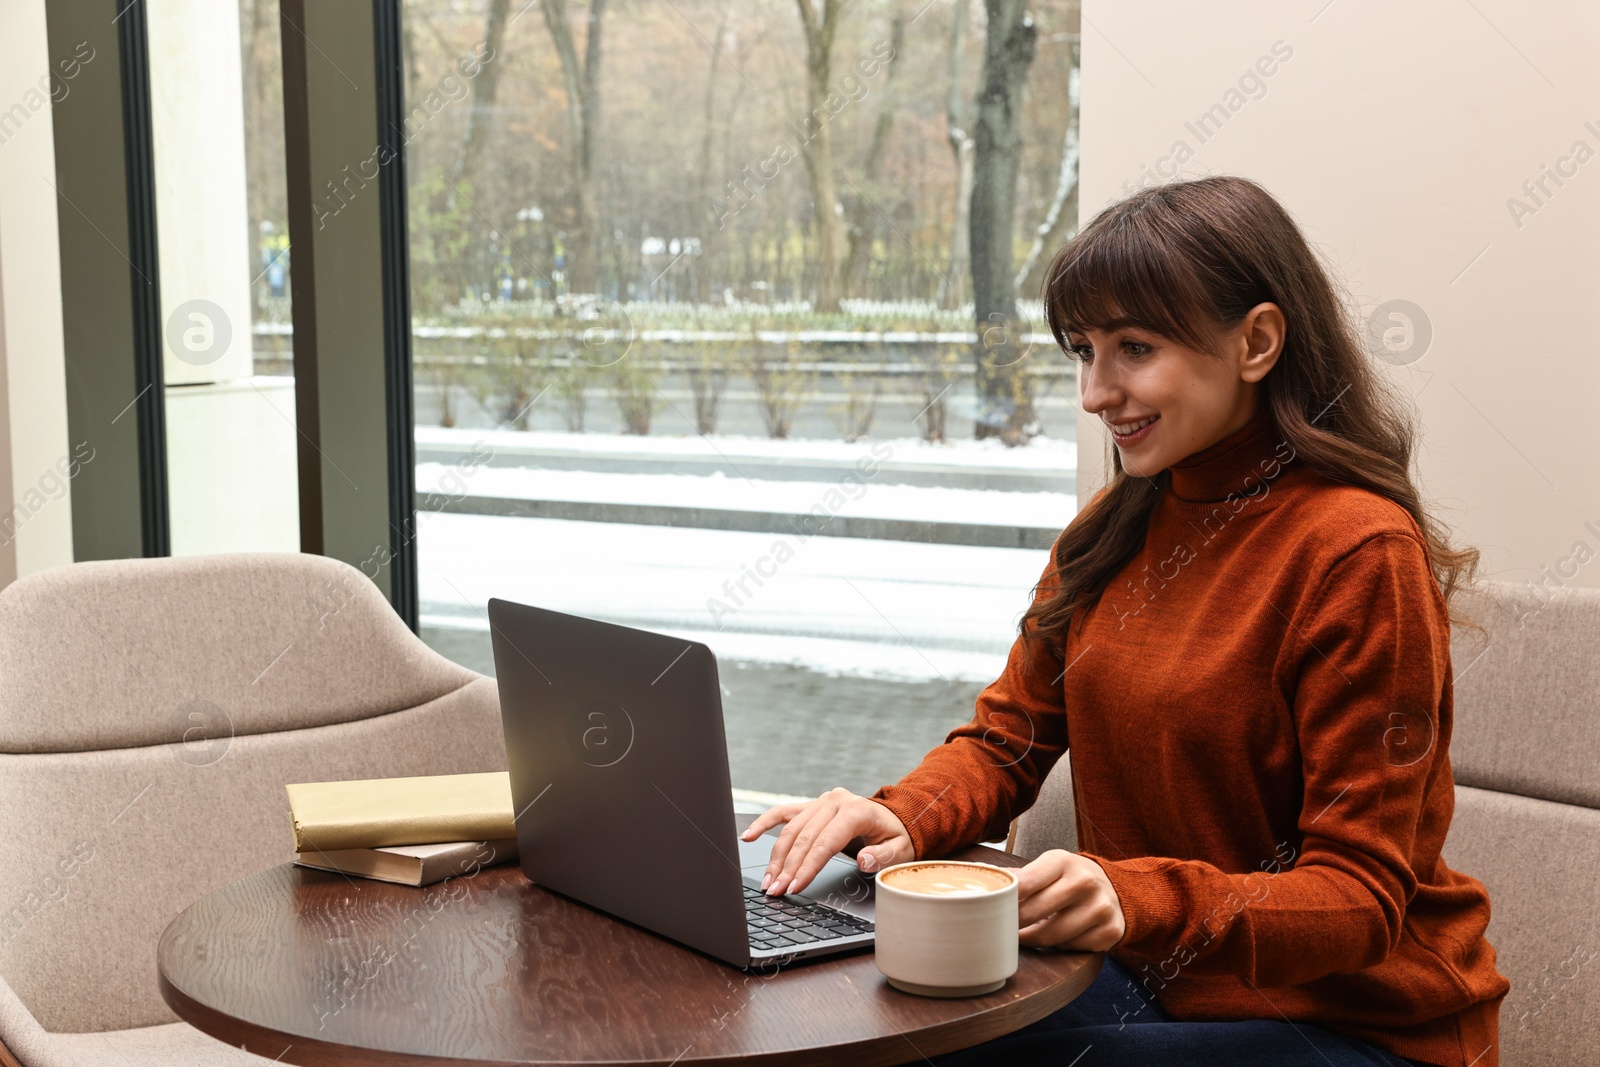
x,y
1366,663
968,788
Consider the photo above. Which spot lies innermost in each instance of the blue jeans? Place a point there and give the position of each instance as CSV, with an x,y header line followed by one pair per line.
x,y
1117,1022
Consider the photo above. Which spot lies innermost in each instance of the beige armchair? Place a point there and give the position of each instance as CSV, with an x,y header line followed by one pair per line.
x,y
1525,750
150,713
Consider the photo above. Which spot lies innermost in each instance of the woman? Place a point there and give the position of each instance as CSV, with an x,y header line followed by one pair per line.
x,y
1245,639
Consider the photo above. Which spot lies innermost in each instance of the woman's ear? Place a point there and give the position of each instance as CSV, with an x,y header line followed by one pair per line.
x,y
1262,332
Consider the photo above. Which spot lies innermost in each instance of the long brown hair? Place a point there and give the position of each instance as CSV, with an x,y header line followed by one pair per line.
x,y
1182,260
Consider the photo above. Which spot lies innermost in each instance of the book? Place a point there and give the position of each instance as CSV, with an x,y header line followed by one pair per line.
x,y
388,812
413,864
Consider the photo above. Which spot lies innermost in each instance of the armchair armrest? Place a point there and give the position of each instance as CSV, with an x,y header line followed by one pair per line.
x,y
23,1042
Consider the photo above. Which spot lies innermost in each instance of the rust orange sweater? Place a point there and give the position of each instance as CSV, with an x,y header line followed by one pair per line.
x,y
1259,714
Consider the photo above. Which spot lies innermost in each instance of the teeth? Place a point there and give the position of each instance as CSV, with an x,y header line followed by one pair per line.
x,y
1132,427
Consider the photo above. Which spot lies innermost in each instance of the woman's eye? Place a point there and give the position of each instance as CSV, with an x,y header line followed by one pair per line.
x,y
1136,348
1084,353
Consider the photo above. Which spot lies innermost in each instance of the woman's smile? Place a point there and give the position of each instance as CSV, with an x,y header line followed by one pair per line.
x,y
1130,432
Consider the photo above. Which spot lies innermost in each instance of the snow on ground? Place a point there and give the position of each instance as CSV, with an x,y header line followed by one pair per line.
x,y
1042,453
859,607
861,498
890,609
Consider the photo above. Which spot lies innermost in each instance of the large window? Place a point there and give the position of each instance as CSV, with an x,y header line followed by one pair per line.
x,y
697,346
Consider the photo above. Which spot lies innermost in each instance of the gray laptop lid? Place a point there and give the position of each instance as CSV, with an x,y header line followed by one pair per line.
x,y
619,773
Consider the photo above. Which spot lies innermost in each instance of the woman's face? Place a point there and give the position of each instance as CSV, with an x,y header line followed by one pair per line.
x,y
1162,401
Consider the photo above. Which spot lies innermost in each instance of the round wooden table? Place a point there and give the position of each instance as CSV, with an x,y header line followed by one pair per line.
x,y
311,967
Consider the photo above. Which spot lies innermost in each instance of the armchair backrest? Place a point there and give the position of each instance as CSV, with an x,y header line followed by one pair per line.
x,y
151,712
1527,818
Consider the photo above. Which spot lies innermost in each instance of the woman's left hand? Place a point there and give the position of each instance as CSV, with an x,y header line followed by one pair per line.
x,y
1066,901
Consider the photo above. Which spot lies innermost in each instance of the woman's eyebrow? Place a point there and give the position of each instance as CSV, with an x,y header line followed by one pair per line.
x,y
1108,327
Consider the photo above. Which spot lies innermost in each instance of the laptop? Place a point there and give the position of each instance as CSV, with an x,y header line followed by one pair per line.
x,y
622,796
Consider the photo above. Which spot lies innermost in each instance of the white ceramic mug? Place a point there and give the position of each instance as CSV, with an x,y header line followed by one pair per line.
x,y
948,943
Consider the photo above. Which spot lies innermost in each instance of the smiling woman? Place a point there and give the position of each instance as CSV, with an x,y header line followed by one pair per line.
x,y
1234,637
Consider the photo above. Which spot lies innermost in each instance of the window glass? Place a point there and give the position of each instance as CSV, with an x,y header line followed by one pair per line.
x,y
656,385
221,206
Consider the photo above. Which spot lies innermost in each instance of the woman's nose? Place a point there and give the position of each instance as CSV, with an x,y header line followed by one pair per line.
x,y
1098,387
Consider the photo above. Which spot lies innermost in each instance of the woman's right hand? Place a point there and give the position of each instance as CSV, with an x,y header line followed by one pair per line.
x,y
819,828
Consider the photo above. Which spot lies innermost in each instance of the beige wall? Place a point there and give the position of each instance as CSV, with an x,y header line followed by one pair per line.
x,y
1397,134
35,457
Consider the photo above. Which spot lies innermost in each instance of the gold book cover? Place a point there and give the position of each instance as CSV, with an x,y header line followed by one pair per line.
x,y
382,812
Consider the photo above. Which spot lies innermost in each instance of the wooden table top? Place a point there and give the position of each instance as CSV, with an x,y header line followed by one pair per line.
x,y
314,968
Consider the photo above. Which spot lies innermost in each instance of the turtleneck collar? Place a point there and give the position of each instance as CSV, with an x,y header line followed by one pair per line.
x,y
1226,467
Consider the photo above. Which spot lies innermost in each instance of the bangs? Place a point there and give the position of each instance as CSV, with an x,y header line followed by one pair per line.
x,y
1127,269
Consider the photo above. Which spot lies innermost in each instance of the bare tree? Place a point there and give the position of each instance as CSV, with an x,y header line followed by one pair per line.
x,y
1004,391
483,94
958,131
408,42
710,114
463,169
862,213
582,82
816,146
707,232
706,364
261,63
1061,221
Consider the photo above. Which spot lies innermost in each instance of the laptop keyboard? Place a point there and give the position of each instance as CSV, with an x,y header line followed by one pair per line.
x,y
782,922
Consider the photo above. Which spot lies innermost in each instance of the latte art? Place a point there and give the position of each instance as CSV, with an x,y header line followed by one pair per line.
x,y
942,878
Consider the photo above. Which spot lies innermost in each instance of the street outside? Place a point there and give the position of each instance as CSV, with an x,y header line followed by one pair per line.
x,y
842,660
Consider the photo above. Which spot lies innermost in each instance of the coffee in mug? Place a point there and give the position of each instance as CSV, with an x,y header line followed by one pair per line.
x,y
946,928
947,878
